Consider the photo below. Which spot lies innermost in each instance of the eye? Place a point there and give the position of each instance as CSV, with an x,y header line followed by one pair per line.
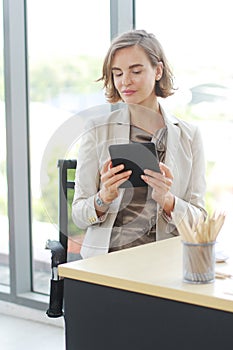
x,y
117,73
137,72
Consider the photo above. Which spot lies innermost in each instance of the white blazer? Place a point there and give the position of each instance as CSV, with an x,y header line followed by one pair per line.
x,y
184,157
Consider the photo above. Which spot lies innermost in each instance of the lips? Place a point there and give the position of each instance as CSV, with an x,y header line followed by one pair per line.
x,y
128,92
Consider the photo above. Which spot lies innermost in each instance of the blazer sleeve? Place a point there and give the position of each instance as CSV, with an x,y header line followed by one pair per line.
x,y
193,204
87,179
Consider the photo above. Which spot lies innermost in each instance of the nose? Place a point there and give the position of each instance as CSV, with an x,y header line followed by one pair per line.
x,y
126,80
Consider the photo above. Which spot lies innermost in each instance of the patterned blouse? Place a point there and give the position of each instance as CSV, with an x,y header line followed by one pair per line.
x,y
135,223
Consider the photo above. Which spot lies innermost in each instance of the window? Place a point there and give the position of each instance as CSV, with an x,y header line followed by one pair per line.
x,y
53,53
66,45
196,38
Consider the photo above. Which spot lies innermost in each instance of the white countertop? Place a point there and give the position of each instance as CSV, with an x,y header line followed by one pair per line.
x,y
153,269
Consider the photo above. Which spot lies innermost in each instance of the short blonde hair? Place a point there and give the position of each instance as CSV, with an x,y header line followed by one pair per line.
x,y
154,51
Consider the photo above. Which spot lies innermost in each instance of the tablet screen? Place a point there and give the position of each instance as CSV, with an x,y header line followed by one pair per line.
x,y
136,157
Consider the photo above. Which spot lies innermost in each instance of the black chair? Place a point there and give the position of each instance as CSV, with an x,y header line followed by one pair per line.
x,y
59,248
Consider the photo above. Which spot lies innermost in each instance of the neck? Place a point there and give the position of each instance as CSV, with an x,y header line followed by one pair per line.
x,y
147,119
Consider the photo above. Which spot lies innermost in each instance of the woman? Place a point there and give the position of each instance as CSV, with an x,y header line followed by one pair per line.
x,y
136,72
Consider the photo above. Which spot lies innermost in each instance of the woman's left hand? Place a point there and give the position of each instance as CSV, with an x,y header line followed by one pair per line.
x,y
161,184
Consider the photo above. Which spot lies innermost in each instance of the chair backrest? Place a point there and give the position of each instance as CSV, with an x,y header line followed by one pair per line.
x,y
64,165
59,248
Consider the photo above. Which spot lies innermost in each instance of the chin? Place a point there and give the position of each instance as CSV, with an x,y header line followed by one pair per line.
x,y
131,100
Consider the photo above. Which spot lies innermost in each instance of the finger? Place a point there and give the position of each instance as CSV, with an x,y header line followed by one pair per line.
x,y
117,169
124,179
106,166
154,174
118,178
157,182
165,170
165,175
108,172
110,188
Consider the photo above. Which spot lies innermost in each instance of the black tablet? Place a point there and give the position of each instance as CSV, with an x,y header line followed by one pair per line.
x,y
136,157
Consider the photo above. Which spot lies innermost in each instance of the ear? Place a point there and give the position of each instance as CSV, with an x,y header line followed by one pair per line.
x,y
159,71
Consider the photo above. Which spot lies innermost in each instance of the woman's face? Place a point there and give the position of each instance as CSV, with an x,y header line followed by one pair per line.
x,y
134,77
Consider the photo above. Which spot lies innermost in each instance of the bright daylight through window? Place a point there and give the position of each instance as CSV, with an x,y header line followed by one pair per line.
x,y
195,36
63,66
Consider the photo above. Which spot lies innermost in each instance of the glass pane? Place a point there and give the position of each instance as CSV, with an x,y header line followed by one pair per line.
x,y
195,37
66,45
4,246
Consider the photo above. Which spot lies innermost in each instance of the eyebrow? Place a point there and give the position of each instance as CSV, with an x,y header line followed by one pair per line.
x,y
130,67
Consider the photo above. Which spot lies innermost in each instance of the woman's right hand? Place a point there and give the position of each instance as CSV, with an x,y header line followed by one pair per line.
x,y
111,179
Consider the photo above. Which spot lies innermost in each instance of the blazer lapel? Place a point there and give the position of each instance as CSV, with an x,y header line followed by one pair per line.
x,y
173,143
122,128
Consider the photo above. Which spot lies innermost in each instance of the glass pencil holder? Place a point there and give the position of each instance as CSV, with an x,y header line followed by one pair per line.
x,y
198,262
